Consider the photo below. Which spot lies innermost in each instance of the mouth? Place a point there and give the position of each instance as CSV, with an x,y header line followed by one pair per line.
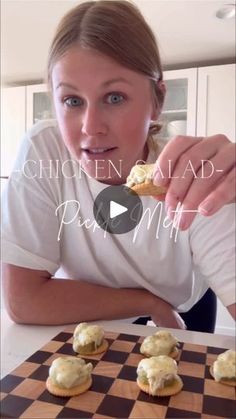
x,y
99,151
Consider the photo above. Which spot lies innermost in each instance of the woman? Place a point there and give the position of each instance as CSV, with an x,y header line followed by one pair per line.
x,y
106,81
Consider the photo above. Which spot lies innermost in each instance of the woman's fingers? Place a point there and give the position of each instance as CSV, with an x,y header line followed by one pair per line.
x,y
224,192
171,319
201,171
209,179
169,157
193,164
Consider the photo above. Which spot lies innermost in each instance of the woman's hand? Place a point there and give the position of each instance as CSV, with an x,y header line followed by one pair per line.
x,y
164,315
199,173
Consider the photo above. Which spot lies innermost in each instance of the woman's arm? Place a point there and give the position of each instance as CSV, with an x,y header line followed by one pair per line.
x,y
34,297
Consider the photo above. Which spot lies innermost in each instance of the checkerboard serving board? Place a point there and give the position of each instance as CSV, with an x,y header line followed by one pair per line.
x,y
114,392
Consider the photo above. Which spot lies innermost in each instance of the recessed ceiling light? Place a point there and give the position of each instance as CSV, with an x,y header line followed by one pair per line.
x,y
226,12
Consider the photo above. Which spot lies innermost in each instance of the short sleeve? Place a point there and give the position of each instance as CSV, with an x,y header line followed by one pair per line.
x,y
213,245
29,223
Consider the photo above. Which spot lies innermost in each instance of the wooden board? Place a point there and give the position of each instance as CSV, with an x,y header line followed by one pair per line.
x,y
114,392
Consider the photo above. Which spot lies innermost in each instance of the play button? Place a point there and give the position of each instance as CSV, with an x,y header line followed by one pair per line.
x,y
117,209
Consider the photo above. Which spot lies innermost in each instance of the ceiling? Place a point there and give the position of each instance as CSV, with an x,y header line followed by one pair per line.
x,y
188,33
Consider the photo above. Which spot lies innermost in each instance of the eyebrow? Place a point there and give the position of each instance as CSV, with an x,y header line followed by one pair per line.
x,y
105,84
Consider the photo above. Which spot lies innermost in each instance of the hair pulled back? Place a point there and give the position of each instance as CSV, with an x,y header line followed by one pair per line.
x,y
117,29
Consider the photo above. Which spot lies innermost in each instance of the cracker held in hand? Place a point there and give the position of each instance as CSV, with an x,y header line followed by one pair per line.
x,y
158,376
89,339
223,369
161,343
69,376
140,181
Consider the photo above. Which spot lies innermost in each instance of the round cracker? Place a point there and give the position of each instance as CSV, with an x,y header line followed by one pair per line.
x,y
102,348
174,388
149,189
70,392
231,383
174,354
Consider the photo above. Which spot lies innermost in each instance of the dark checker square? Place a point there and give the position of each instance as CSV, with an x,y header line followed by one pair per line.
x,y
144,397
216,351
41,373
216,406
177,413
115,356
66,349
118,405
136,349
94,362
9,382
63,337
49,398
101,384
128,373
110,341
193,384
130,338
72,413
207,372
191,356
14,406
39,357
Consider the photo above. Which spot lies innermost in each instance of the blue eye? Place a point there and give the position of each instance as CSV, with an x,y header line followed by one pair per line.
x,y
114,98
73,102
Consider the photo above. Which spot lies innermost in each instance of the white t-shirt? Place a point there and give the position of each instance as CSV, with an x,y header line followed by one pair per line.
x,y
47,186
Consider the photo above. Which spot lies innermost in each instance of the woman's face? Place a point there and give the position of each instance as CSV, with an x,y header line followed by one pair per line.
x,y
104,112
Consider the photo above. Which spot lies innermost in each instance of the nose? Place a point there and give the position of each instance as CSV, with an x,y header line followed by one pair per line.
x,y
93,121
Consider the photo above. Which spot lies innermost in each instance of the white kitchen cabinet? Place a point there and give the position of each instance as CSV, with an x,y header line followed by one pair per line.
x,y
39,104
13,116
21,107
216,101
179,112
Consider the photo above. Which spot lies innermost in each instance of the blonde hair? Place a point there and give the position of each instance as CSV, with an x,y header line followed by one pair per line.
x,y
117,29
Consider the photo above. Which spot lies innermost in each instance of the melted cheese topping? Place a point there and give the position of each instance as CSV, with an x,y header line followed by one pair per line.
x,y
161,343
157,370
69,371
85,334
141,173
225,365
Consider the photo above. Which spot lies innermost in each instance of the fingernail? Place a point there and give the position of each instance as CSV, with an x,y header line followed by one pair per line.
x,y
205,207
183,222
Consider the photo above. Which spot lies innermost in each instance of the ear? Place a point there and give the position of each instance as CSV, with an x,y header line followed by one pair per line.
x,y
157,106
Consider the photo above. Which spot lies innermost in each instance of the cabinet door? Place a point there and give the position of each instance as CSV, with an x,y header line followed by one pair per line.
x,y
179,112
39,104
12,125
216,101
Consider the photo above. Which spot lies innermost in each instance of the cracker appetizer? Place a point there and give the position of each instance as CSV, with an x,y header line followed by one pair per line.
x,y
140,181
161,343
158,376
223,369
89,339
69,376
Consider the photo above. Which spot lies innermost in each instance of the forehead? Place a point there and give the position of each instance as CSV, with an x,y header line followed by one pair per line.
x,y
89,66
